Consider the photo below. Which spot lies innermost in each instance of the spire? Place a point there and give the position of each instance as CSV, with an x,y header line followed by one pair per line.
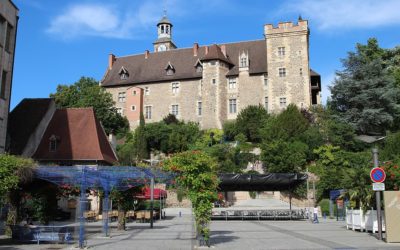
x,y
300,18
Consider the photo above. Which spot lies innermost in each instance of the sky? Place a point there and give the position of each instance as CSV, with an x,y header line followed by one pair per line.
x,y
60,41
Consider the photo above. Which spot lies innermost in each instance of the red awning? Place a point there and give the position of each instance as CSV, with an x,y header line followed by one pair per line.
x,y
157,193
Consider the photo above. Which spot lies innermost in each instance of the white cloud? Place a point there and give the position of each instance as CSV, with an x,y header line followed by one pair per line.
x,y
129,22
332,14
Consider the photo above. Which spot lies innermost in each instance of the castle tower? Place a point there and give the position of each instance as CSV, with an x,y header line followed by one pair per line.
x,y
214,93
164,35
288,64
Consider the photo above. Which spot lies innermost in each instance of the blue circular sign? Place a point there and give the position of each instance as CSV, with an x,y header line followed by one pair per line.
x,y
378,175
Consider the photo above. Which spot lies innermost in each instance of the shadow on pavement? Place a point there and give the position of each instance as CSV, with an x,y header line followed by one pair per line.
x,y
219,237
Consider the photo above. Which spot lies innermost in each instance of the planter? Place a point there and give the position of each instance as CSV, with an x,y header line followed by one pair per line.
x,y
72,203
357,220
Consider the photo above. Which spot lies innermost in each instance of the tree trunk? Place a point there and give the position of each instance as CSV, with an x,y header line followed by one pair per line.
x,y
121,218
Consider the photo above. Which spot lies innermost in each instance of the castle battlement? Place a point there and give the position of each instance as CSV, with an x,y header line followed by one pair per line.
x,y
284,27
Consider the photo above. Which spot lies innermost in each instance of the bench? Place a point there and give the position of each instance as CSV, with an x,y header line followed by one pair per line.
x,y
31,233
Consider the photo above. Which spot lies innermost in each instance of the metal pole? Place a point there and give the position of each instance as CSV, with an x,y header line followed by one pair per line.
x,y
105,213
160,206
81,209
151,201
378,196
308,189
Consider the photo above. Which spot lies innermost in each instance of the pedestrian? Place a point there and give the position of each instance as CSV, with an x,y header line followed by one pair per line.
x,y
315,214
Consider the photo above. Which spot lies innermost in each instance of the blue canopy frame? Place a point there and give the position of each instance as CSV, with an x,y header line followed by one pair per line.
x,y
106,178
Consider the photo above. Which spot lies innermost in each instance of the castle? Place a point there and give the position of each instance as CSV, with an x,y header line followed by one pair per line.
x,y
211,84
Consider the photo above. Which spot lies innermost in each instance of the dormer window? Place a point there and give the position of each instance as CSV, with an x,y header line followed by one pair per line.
x,y
170,69
53,141
123,73
244,60
198,66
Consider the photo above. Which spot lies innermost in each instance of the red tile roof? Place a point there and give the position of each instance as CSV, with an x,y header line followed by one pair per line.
x,y
80,137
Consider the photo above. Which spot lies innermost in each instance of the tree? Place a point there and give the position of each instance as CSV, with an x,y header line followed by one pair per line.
x,y
196,173
14,172
87,93
285,126
364,94
140,141
281,156
250,120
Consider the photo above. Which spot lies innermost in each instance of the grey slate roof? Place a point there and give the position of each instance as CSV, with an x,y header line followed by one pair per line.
x,y
152,69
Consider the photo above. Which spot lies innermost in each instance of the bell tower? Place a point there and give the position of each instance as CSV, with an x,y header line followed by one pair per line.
x,y
164,35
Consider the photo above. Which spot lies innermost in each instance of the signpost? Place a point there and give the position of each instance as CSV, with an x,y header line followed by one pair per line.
x,y
378,186
378,175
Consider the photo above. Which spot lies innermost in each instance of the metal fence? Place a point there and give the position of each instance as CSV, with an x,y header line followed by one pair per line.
x,y
276,214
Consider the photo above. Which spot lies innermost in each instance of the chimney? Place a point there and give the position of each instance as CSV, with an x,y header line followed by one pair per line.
x,y
146,54
195,49
223,49
112,139
111,60
206,50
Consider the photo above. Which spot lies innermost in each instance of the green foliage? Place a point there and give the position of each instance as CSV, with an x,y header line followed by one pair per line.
x,y
13,171
364,94
391,149
170,119
140,141
250,120
392,170
87,93
196,173
284,157
229,129
286,125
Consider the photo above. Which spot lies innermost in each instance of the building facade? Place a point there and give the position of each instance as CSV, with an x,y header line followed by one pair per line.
x,y
8,31
211,84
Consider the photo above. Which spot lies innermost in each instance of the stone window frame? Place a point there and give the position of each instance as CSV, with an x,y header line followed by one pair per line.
x,y
301,71
146,90
3,83
265,79
133,108
266,103
214,81
120,111
232,105
175,87
175,109
282,102
232,81
122,96
281,51
134,92
199,108
282,72
148,112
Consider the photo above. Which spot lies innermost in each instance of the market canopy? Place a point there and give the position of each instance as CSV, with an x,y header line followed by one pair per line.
x,y
103,177
146,194
260,182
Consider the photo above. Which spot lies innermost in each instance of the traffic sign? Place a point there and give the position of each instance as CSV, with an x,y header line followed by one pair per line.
x,y
378,175
378,186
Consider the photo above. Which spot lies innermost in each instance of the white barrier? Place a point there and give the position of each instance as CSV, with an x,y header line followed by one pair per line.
x,y
357,220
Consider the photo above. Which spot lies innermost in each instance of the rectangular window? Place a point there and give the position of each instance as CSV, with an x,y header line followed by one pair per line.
x,y
119,111
266,102
301,71
147,114
232,106
133,108
3,85
199,108
265,80
8,38
243,62
121,97
175,110
282,102
175,87
281,51
2,30
146,91
282,72
232,83
213,63
214,81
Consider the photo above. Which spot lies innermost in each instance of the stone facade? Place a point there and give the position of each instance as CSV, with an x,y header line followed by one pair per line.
x,y
231,77
8,29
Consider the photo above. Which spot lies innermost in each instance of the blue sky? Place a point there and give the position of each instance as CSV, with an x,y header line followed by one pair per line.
x,y
60,41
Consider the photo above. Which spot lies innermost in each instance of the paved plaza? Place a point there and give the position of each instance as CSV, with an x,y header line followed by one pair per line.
x,y
177,233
